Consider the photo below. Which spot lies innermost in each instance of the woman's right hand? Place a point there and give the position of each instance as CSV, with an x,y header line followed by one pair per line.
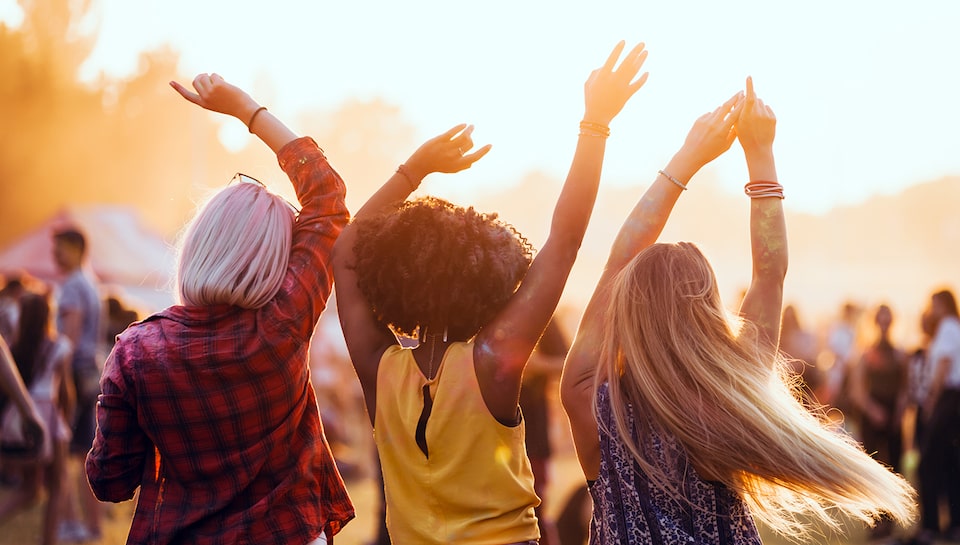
x,y
607,90
713,133
215,94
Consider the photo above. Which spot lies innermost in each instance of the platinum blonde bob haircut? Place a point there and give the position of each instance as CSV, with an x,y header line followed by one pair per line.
x,y
236,249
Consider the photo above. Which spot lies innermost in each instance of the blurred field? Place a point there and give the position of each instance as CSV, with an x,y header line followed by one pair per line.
x,y
23,529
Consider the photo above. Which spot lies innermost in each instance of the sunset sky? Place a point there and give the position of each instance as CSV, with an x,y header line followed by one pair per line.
x,y
866,92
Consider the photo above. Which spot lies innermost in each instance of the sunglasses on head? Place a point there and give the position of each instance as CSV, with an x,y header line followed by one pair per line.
x,y
242,178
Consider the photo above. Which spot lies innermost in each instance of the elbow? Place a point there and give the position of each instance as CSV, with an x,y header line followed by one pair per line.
x,y
106,488
575,394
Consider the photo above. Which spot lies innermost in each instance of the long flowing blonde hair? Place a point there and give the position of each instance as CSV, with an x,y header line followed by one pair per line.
x,y
694,372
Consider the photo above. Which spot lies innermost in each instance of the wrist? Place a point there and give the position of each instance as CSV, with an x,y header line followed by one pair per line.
x,y
595,119
683,166
414,170
761,166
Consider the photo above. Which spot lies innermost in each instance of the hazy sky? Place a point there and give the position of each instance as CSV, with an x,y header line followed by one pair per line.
x,y
866,93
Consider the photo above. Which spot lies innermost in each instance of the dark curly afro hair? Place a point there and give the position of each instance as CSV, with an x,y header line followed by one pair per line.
x,y
437,265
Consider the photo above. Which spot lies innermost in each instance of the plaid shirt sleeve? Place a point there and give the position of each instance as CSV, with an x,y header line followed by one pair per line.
x,y
321,192
115,464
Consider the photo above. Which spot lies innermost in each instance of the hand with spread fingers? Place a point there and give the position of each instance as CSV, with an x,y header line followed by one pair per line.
x,y
609,87
447,152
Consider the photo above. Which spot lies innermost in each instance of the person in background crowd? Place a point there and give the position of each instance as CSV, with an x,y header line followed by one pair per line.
x,y
118,318
13,288
79,319
43,361
207,406
800,347
879,389
32,424
544,367
939,469
842,348
919,377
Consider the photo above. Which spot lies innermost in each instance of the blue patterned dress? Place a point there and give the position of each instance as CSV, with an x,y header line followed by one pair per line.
x,y
629,509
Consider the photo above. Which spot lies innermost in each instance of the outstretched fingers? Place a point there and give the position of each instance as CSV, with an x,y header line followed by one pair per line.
x,y
614,55
471,158
452,132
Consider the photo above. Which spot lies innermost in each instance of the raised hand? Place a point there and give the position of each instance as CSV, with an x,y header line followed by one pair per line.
x,y
215,94
446,153
713,133
757,125
608,89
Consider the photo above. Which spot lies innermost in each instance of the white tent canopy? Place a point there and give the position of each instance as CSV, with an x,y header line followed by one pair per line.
x,y
128,259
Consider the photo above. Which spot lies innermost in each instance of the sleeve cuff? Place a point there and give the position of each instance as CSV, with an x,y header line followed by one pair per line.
x,y
300,150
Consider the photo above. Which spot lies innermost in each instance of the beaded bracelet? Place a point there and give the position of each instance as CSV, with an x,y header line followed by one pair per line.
x,y
402,170
678,183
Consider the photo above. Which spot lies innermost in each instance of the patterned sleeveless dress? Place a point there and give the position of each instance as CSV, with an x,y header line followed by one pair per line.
x,y
629,509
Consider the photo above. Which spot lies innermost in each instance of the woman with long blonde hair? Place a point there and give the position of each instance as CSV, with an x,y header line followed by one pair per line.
x,y
684,418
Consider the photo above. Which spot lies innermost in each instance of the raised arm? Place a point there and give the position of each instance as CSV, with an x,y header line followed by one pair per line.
x,y
367,339
504,345
215,94
768,231
711,135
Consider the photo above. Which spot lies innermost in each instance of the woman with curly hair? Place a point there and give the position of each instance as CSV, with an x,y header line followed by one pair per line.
x,y
683,418
446,418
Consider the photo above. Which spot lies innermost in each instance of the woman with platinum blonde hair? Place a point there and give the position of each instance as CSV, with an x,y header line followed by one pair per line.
x,y
684,419
207,407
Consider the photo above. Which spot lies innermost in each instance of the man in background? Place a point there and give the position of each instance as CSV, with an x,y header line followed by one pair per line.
x,y
79,319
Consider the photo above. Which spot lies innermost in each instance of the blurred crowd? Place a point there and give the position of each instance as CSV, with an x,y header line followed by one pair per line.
x,y
902,402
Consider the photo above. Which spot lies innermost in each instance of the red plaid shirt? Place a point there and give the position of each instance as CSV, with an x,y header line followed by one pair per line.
x,y
210,411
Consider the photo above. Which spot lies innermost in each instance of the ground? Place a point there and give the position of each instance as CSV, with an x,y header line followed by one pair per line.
x,y
23,529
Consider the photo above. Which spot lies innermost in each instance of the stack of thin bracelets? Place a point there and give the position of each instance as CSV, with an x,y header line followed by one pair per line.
x,y
761,189
594,129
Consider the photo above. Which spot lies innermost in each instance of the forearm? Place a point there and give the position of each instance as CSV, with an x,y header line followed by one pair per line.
x,y
12,384
575,204
266,126
768,230
392,193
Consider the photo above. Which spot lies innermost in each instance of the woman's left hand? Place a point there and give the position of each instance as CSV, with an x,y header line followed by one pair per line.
x,y
446,153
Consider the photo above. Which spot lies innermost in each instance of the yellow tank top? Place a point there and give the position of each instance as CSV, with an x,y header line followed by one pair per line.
x,y
476,486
